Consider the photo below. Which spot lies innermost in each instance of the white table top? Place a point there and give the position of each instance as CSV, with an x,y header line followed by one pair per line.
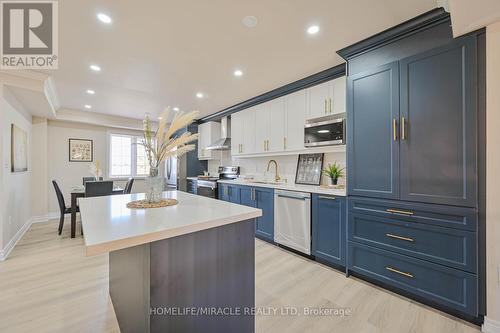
x,y
290,187
108,225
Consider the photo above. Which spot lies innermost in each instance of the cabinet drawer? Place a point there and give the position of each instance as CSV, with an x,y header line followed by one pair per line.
x,y
452,288
439,215
451,247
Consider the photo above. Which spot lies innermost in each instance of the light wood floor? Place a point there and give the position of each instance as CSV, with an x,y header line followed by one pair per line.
x,y
48,285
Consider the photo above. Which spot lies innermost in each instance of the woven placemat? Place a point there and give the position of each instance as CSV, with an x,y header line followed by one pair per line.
x,y
141,204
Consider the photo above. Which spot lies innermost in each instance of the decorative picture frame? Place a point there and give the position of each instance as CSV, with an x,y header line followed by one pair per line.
x,y
18,149
81,150
309,169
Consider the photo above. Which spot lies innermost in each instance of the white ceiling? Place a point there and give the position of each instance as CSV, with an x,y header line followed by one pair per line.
x,y
161,52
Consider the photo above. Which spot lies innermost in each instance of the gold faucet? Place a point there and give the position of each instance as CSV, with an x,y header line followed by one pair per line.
x,y
277,177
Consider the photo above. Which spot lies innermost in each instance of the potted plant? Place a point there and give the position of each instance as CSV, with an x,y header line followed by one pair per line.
x,y
163,143
334,172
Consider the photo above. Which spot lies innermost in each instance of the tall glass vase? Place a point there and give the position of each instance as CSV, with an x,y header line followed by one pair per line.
x,y
154,186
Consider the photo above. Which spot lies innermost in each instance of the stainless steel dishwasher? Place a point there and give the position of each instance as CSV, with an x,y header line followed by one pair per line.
x,y
292,220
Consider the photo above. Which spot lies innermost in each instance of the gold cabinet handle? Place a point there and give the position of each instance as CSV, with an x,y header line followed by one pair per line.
x,y
330,101
326,110
327,198
395,129
284,143
403,128
267,145
408,239
397,211
397,271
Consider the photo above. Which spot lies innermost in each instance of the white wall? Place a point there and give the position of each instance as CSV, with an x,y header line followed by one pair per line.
x,y
15,204
39,170
256,166
492,171
69,174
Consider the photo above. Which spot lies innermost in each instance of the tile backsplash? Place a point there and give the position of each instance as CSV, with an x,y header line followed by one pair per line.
x,y
256,166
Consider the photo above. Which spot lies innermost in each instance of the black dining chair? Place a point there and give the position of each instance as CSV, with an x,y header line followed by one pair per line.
x,y
90,179
62,206
98,189
128,186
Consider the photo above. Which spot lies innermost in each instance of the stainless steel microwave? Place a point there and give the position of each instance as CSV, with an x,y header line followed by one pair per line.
x,y
325,131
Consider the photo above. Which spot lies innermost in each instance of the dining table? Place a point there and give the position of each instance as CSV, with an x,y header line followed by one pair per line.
x,y
79,192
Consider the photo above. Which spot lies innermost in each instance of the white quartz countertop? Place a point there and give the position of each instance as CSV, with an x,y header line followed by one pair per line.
x,y
108,224
290,187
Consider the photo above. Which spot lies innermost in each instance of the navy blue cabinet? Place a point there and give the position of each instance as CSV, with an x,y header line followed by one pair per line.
x,y
373,149
438,138
229,192
264,226
329,228
412,128
413,162
262,198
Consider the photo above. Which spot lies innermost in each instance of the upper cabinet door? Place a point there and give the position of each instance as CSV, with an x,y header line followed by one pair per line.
x,y
320,100
372,149
296,106
261,128
276,136
237,126
339,95
248,131
438,104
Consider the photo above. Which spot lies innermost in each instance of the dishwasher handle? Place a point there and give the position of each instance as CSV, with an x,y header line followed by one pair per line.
x,y
292,197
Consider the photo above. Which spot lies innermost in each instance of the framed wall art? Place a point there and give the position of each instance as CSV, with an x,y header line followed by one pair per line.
x,y
18,149
309,168
81,150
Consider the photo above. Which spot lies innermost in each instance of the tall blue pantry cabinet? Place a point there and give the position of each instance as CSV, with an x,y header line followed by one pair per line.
x,y
416,181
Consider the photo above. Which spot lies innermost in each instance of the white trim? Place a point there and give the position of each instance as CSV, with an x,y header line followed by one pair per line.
x,y
45,218
490,326
17,237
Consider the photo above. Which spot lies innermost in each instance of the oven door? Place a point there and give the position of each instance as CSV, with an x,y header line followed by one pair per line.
x,y
207,189
325,133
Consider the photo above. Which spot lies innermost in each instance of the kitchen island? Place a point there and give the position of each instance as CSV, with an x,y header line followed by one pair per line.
x,y
183,268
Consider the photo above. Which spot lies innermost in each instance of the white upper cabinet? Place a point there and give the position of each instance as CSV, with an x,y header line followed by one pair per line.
x,y
209,133
327,98
243,132
237,123
261,127
295,116
249,127
319,100
276,127
339,95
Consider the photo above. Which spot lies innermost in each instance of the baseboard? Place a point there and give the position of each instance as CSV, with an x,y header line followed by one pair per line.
x,y
490,326
4,253
45,218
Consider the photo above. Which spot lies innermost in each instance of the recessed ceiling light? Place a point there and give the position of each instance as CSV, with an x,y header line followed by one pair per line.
x,y
90,91
199,95
104,18
160,118
250,21
313,29
238,72
95,68
87,106
176,109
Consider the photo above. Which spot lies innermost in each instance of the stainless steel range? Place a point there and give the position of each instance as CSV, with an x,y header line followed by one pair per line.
x,y
207,185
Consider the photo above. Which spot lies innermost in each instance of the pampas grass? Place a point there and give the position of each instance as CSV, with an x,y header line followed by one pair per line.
x,y
164,142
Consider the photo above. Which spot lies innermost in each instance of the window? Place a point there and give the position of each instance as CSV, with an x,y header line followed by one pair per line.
x,y
127,157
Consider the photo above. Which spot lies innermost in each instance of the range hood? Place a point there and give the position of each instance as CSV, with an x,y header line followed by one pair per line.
x,y
224,143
